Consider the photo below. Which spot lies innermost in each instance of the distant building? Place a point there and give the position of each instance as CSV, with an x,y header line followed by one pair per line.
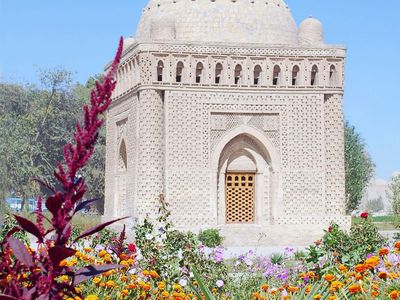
x,y
234,114
377,195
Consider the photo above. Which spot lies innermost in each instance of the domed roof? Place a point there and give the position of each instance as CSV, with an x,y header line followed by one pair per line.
x,y
230,21
311,32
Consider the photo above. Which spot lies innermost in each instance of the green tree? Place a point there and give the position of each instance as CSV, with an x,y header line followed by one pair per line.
x,y
394,194
34,124
359,167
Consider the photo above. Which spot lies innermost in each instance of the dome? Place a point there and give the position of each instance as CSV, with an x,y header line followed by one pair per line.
x,y
162,27
128,41
229,21
311,32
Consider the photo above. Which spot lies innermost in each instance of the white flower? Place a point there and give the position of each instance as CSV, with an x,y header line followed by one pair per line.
x,y
219,283
191,275
183,282
248,262
149,236
180,254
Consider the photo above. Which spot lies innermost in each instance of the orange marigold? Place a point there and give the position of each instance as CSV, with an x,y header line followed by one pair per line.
x,y
264,287
154,274
329,277
360,268
383,251
394,295
372,262
382,275
397,245
354,289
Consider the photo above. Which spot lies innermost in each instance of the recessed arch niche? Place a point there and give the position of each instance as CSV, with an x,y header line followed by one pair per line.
x,y
251,158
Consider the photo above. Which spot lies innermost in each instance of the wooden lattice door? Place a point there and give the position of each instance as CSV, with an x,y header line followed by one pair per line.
x,y
240,198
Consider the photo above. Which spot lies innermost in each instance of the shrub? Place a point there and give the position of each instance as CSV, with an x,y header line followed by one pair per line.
x,y
353,247
173,253
211,238
8,224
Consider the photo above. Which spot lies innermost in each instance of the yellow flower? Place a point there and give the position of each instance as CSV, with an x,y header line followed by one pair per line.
x,y
125,292
336,285
317,296
161,285
110,284
64,278
102,253
96,280
92,297
124,263
372,262
107,258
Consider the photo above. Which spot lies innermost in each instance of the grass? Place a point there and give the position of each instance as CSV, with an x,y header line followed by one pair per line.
x,y
383,222
81,221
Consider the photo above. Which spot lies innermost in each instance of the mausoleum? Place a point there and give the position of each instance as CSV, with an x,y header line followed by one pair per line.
x,y
235,115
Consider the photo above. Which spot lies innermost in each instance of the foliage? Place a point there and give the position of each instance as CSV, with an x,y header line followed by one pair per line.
x,y
29,274
375,205
359,167
35,122
210,238
173,253
347,248
8,225
394,193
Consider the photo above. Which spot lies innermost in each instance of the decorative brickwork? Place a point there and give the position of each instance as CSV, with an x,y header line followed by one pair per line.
x,y
191,112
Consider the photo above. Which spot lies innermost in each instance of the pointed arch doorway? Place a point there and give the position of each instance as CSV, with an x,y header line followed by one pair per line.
x,y
247,178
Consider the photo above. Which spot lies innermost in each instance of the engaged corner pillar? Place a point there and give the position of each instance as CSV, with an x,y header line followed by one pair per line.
x,y
151,152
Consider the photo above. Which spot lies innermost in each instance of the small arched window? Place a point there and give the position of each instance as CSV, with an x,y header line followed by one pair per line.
x,y
238,74
218,73
332,76
314,75
276,75
295,75
179,70
199,72
160,70
257,75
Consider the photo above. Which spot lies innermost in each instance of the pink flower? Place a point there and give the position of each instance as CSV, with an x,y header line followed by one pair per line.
x,y
132,248
219,283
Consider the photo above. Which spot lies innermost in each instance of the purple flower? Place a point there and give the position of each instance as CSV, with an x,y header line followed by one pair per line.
x,y
219,254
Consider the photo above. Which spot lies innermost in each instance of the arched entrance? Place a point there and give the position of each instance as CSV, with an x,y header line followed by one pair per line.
x,y
247,177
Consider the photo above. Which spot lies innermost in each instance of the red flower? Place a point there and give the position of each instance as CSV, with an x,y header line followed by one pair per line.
x,y
132,248
330,228
364,215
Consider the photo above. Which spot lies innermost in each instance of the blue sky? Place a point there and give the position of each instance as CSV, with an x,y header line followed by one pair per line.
x,y
81,35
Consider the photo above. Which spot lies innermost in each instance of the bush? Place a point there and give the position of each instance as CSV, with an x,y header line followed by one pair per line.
x,y
211,238
10,223
173,253
353,247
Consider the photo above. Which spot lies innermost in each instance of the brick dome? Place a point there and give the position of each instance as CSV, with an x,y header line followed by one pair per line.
x,y
228,21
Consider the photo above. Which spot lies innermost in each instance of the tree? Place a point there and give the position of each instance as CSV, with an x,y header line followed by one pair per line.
x,y
394,194
359,167
34,124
